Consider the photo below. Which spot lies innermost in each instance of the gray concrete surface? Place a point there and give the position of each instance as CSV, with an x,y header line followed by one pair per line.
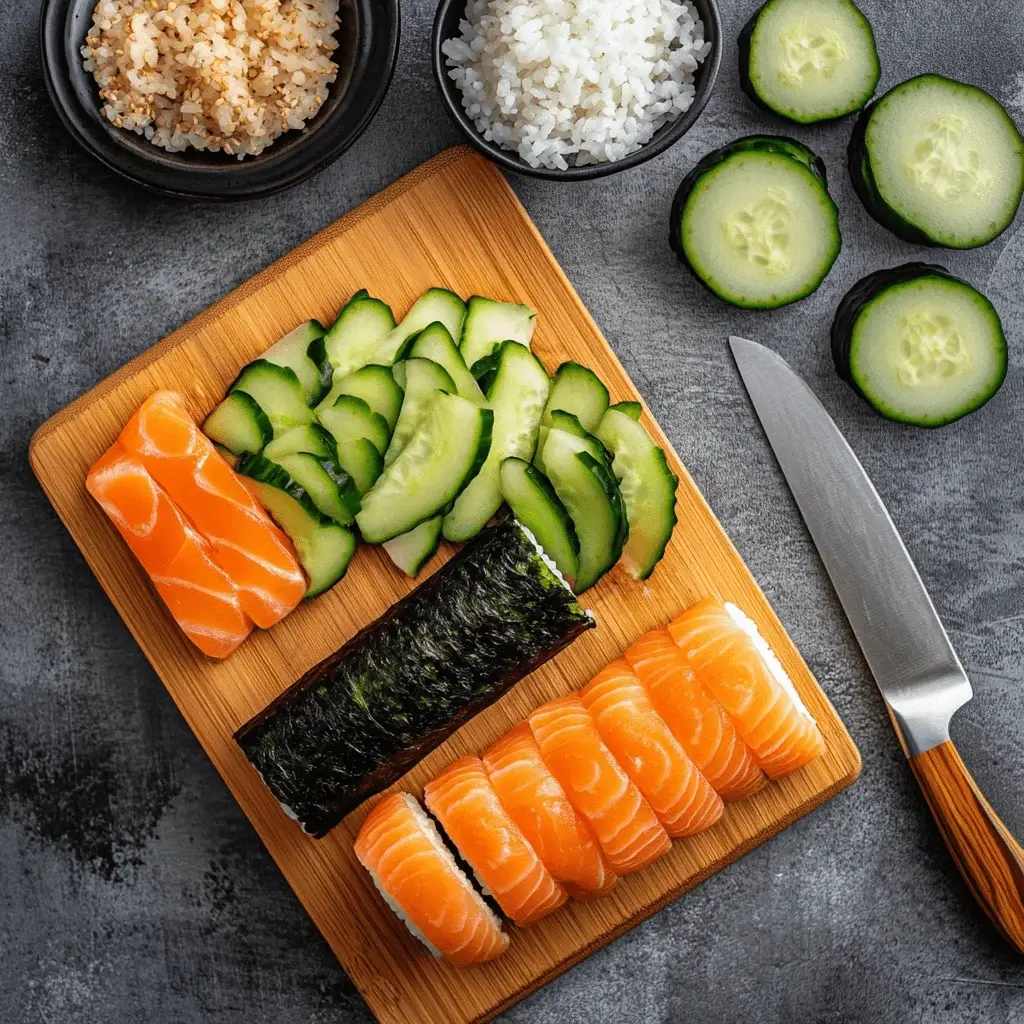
x,y
131,887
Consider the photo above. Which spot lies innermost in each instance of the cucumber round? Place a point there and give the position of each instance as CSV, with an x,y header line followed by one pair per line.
x,y
443,455
302,351
938,162
755,224
489,323
362,324
436,305
277,391
809,60
536,505
351,417
576,389
648,488
919,345
239,424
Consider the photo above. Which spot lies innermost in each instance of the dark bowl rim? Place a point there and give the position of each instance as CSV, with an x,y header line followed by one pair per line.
x,y
64,99
672,132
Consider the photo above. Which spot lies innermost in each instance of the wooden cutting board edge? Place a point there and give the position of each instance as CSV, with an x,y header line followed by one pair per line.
x,y
844,751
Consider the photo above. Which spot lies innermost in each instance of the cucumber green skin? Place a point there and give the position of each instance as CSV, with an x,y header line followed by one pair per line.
x,y
360,719
850,308
779,144
611,489
747,85
317,352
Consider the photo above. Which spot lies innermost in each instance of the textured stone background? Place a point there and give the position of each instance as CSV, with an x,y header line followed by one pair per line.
x,y
131,887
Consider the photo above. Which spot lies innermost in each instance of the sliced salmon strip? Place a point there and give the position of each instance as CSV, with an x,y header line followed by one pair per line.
x,y
537,803
731,659
506,865
625,825
418,877
648,752
254,553
696,719
198,593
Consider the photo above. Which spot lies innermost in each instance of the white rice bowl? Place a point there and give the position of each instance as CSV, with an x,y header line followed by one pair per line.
x,y
575,82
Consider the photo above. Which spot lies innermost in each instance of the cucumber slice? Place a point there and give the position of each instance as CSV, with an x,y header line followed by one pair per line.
x,y
634,410
311,438
534,503
442,456
377,387
301,351
277,391
755,225
414,549
362,461
331,489
809,60
919,345
422,379
517,396
587,489
938,162
648,489
435,343
351,417
361,326
239,424
489,323
438,305
325,549
578,390
562,420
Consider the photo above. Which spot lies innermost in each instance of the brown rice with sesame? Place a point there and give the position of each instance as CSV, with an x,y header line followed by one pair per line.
x,y
227,75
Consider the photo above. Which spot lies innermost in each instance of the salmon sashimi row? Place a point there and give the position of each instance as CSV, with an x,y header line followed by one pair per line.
x,y
420,880
254,553
199,594
597,784
505,864
733,661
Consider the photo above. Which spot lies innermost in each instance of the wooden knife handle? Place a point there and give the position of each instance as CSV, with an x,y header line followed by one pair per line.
x,y
989,858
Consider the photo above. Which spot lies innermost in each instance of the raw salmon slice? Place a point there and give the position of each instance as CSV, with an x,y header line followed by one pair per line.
x,y
180,562
734,662
419,879
505,864
626,827
696,719
651,756
254,553
536,802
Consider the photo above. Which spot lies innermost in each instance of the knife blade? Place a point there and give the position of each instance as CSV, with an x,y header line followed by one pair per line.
x,y
906,647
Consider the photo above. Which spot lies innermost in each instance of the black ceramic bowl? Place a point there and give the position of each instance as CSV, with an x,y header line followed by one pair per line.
x,y
366,54
446,26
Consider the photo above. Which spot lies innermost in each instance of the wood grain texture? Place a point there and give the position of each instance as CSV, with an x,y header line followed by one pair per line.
x,y
453,222
989,858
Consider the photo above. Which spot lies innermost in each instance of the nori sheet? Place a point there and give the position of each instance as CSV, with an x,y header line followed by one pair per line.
x,y
364,716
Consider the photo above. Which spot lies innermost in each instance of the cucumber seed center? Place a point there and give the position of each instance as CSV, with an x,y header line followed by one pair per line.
x,y
943,161
931,349
810,50
760,231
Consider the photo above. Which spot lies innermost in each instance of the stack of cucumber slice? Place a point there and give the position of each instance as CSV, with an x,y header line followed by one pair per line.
x,y
405,433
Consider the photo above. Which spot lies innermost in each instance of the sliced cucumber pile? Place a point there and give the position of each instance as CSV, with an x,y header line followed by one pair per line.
x,y
809,60
919,345
755,224
406,434
938,162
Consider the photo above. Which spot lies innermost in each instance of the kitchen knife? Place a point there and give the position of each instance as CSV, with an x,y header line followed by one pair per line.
x,y
896,625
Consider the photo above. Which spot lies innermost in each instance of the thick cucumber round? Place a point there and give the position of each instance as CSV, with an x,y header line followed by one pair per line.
x,y
239,424
277,391
412,550
377,387
301,351
919,345
351,417
422,380
648,488
809,60
437,305
442,456
488,324
587,489
435,343
362,324
534,503
938,162
755,224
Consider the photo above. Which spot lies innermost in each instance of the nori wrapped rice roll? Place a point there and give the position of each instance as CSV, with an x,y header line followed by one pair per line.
x,y
363,717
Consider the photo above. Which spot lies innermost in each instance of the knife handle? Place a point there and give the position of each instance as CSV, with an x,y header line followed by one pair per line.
x,y
989,858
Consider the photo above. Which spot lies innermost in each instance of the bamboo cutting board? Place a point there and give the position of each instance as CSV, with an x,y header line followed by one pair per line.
x,y
453,222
